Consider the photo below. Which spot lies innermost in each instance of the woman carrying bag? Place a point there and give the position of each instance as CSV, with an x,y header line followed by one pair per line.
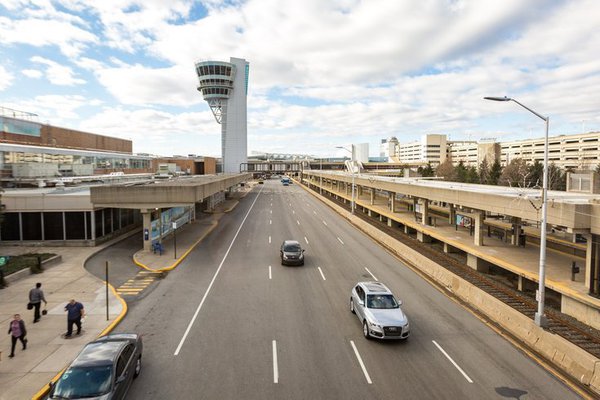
x,y
17,331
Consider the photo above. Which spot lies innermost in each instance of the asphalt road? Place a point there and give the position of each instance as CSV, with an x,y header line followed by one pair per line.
x,y
230,322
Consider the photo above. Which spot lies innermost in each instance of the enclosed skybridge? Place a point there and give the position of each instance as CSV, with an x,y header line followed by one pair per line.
x,y
260,167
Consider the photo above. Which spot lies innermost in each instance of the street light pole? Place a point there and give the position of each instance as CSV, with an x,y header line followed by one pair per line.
x,y
540,319
353,203
321,175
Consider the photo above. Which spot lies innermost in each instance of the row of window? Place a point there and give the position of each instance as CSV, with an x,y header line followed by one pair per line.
x,y
214,70
16,157
66,225
215,90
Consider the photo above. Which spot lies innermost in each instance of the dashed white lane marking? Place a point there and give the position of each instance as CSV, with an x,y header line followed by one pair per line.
x,y
305,239
275,366
271,211
452,361
325,223
269,239
314,212
270,221
270,276
321,271
370,273
340,240
298,222
293,212
360,361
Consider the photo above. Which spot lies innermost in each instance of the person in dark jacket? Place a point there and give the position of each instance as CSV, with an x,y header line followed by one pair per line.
x,y
75,312
17,331
36,296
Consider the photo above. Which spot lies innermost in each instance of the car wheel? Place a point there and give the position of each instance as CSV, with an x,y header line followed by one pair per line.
x,y
138,367
352,306
366,330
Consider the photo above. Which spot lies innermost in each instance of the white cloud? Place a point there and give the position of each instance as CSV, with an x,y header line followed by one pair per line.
x,y
58,74
6,78
32,73
70,39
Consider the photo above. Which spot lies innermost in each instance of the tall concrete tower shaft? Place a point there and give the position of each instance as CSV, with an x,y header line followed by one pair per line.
x,y
224,86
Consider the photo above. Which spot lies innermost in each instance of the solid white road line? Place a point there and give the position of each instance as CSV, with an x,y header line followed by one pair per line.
x,y
269,239
360,361
325,223
340,240
370,273
452,361
187,331
275,366
321,271
270,276
305,239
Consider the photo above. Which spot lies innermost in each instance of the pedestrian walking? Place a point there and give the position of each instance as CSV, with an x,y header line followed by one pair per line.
x,y
75,312
36,296
17,331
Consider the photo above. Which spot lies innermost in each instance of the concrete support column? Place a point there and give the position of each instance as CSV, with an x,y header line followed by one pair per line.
x,y
406,229
393,202
516,229
591,263
478,234
390,222
423,238
477,264
359,190
520,283
147,228
451,214
372,196
449,248
425,212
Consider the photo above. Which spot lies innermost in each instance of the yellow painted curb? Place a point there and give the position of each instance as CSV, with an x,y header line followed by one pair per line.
x,y
180,259
46,389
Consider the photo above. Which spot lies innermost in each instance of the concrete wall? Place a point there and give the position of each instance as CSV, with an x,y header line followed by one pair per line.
x,y
34,170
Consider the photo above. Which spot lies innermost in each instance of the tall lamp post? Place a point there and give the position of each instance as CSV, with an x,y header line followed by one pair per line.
x,y
540,318
353,204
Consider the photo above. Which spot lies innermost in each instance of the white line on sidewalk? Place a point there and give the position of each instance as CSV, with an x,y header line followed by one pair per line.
x,y
275,366
270,276
325,223
321,271
305,239
340,240
360,361
452,361
189,327
370,273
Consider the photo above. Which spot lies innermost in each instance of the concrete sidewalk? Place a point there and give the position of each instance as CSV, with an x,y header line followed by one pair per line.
x,y
23,376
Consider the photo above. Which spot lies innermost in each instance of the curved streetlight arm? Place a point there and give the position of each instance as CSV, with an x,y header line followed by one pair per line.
x,y
493,98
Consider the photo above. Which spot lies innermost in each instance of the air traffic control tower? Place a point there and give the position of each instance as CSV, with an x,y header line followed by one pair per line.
x,y
224,85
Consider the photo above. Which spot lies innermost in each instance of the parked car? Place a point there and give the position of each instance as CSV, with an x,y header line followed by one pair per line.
x,y
378,311
103,370
291,253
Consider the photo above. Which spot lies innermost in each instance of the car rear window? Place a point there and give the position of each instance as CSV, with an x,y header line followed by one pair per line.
x,y
81,382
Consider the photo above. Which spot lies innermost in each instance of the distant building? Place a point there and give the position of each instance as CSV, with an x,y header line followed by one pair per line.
x,y
387,148
472,153
361,152
430,149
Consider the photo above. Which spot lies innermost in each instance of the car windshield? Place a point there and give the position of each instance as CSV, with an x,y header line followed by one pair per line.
x,y
292,247
381,301
82,382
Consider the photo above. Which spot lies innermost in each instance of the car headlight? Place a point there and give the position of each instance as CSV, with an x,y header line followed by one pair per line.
x,y
373,324
285,257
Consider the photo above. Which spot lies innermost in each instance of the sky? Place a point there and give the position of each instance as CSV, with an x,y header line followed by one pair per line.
x,y
322,73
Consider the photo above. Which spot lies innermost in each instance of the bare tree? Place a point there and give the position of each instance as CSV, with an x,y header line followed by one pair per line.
x,y
515,174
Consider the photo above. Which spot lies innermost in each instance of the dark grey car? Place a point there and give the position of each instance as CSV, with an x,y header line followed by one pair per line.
x,y
291,253
103,370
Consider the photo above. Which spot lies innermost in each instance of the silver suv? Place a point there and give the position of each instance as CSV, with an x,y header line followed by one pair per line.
x,y
378,311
